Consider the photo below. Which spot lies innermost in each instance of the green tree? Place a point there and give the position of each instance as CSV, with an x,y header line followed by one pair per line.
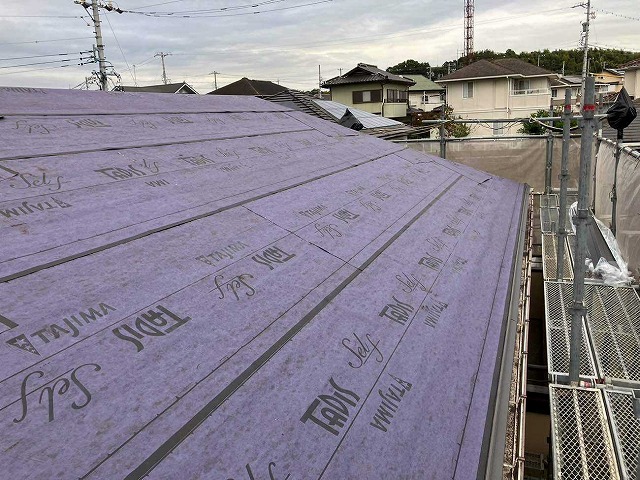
x,y
534,128
410,67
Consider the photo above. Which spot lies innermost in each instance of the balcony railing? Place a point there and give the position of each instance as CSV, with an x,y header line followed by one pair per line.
x,y
531,91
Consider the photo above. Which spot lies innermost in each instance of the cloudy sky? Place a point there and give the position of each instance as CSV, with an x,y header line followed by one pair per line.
x,y
284,40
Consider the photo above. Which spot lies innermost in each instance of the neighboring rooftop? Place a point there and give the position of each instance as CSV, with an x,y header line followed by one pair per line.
x,y
244,86
206,286
497,68
633,64
376,125
423,84
365,73
162,88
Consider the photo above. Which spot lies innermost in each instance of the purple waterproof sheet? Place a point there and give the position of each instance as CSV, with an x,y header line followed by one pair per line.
x,y
345,324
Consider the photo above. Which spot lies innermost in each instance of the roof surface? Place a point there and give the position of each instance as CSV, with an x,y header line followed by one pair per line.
x,y
220,287
365,73
162,88
244,86
630,65
497,68
333,111
423,83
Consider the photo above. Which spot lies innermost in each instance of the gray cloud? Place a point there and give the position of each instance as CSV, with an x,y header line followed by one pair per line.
x,y
288,45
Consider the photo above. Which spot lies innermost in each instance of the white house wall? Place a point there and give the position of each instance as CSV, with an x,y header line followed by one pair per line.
x,y
494,98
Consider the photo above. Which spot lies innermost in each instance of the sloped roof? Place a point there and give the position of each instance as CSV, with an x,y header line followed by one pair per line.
x,y
244,86
191,285
365,73
423,84
162,88
333,111
368,120
630,65
497,68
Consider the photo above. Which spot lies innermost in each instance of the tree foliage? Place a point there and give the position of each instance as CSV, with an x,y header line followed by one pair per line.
x,y
534,128
600,58
411,67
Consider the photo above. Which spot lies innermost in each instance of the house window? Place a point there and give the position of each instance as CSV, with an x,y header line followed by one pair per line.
x,y
396,96
554,93
498,128
521,87
367,96
425,97
467,90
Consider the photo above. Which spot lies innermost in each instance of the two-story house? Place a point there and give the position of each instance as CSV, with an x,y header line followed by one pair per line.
x,y
501,89
373,90
425,94
632,77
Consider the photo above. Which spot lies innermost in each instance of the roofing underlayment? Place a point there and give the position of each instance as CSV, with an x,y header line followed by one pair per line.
x,y
220,287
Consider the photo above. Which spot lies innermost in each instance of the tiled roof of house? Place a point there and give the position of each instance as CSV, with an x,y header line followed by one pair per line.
x,y
423,84
365,73
497,68
375,125
205,286
244,86
168,88
630,65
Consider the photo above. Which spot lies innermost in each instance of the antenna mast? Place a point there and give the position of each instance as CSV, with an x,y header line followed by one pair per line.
x,y
468,30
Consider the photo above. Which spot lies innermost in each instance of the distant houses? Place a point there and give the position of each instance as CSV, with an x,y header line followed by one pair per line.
x,y
180,88
632,77
498,89
373,90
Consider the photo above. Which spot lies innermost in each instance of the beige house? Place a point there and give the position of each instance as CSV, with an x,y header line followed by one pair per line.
x,y
632,77
372,90
610,80
425,94
501,89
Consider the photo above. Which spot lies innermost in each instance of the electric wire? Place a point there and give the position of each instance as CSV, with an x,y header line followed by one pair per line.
x,y
118,43
171,15
220,9
46,41
42,56
45,63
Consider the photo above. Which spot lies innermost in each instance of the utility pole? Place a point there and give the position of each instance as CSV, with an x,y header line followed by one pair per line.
x,y
585,31
164,71
99,45
215,80
95,17
319,83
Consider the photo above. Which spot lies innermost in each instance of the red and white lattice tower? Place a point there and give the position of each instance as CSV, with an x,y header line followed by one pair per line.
x,y
468,30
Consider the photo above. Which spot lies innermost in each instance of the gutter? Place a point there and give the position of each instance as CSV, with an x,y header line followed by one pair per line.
x,y
492,459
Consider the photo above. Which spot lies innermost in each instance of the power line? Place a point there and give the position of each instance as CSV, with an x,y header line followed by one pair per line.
x,y
40,69
42,56
619,15
171,15
46,41
118,43
221,9
50,62
40,16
